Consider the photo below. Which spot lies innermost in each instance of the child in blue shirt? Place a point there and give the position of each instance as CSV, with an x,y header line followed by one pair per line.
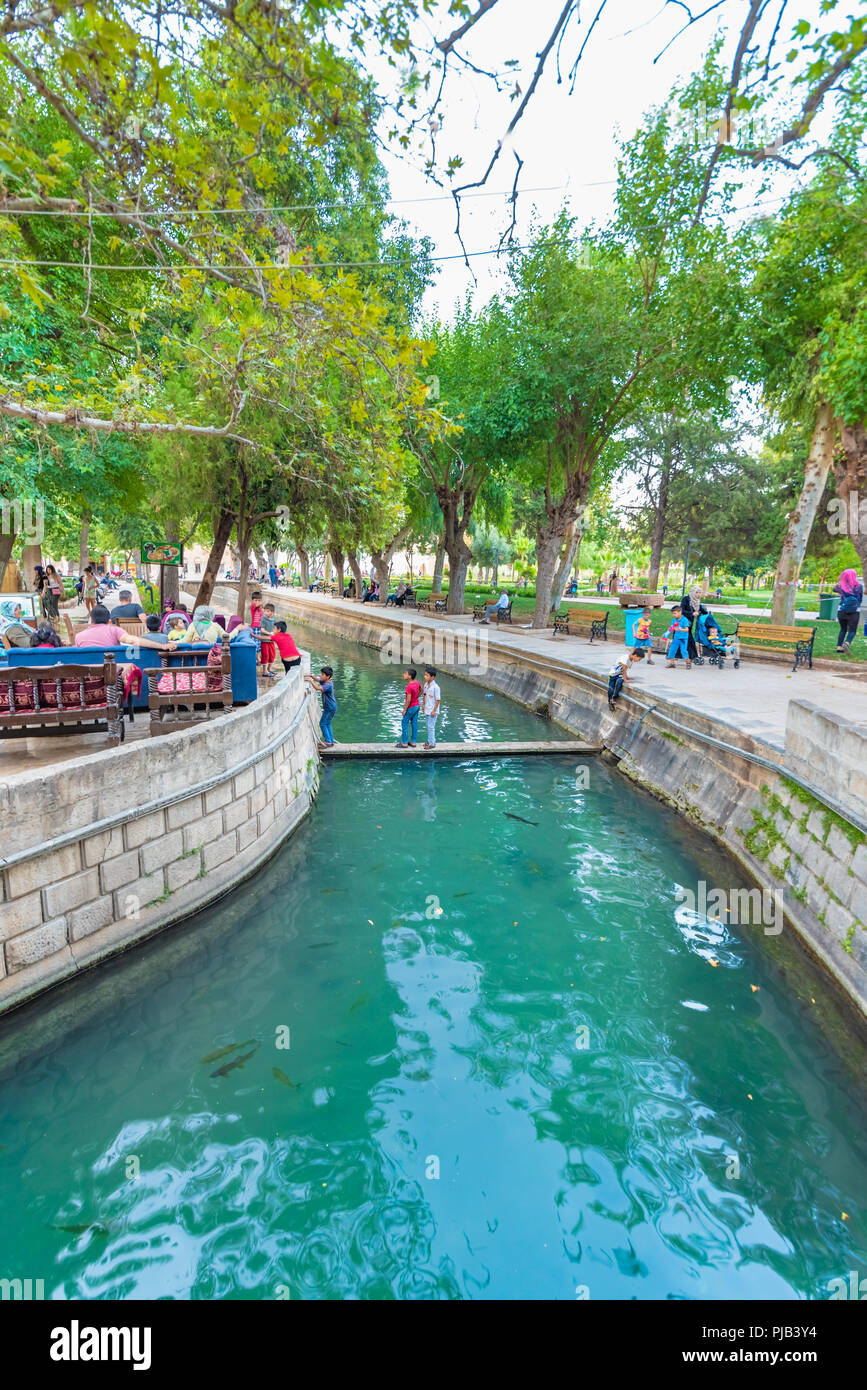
x,y
325,686
678,635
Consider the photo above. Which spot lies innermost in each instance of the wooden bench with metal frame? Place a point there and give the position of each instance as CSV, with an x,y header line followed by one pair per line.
x,y
188,702
502,615
582,618
60,700
794,640
434,603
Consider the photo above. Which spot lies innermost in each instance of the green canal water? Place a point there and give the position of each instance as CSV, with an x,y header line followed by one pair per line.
x,y
516,1068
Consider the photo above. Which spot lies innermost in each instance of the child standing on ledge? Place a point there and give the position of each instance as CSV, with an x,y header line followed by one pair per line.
x,y
678,635
256,612
643,638
325,686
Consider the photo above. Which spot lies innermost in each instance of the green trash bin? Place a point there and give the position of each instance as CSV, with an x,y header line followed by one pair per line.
x,y
828,605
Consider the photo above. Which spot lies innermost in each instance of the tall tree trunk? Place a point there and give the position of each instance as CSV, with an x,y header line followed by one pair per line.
x,y
244,581
567,558
339,560
660,516
304,562
169,586
31,556
438,567
352,557
7,540
222,531
382,561
548,545
460,555
802,518
850,474
83,557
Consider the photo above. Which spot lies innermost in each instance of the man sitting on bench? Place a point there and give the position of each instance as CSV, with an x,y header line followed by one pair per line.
x,y
501,604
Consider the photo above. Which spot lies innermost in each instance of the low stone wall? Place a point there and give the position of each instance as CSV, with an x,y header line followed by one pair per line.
x,y
733,786
104,850
829,752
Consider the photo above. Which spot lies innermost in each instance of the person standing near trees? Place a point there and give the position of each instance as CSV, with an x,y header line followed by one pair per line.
x,y
89,587
52,593
691,607
849,608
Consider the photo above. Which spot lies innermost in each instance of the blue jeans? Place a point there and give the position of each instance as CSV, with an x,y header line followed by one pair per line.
x,y
325,724
409,726
431,720
678,646
490,609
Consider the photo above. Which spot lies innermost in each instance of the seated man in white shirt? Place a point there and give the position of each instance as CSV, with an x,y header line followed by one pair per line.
x,y
502,604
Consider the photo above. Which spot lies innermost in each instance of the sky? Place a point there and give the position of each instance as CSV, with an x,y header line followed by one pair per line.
x,y
568,142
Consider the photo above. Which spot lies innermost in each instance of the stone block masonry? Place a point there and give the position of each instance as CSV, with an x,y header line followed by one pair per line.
x,y
147,855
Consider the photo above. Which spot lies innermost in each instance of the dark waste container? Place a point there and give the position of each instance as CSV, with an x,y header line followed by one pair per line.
x,y
828,605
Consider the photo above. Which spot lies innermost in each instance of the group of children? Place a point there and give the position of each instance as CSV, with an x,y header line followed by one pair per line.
x,y
272,637
708,634
417,698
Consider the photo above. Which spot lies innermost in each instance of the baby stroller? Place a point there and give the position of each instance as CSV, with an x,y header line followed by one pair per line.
x,y
715,645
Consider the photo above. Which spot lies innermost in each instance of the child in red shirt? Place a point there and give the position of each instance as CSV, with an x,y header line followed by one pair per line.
x,y
409,718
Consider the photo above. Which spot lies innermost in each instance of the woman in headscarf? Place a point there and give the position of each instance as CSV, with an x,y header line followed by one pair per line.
x,y
851,593
16,632
202,628
691,607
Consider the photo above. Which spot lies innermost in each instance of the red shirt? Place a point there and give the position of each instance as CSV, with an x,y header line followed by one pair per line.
x,y
413,690
256,614
285,645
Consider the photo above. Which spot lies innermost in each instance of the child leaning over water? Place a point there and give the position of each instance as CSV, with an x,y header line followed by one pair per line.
x,y
617,675
325,686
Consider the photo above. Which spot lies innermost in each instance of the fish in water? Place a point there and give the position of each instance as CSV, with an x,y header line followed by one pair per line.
x,y
362,999
317,945
468,894
283,1078
520,818
79,1230
325,891
230,1066
224,1051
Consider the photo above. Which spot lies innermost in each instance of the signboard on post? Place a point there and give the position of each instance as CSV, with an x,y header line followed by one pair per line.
x,y
162,553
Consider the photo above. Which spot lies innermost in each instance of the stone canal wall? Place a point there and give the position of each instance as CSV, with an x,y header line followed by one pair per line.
x,y
104,850
805,846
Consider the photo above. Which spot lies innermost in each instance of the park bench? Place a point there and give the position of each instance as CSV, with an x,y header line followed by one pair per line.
x,y
62,699
502,615
764,637
584,618
434,603
182,697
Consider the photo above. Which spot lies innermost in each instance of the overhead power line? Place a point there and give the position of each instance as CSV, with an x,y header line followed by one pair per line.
x,y
178,213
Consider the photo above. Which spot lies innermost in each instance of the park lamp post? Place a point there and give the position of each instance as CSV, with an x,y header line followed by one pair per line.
x,y
690,540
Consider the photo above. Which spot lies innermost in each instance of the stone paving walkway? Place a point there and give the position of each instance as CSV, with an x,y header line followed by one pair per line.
x,y
754,699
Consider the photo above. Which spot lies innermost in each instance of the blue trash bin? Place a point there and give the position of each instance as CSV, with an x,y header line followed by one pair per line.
x,y
630,619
